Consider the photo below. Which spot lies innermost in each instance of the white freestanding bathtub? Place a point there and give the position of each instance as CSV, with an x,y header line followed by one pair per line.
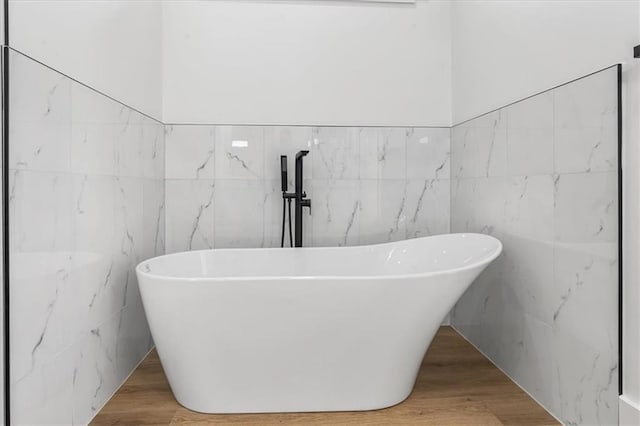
x,y
307,329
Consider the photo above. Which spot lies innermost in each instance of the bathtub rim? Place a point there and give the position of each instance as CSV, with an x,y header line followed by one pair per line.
x,y
141,272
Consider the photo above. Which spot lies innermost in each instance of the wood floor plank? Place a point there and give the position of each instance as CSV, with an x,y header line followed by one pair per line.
x,y
457,411
456,385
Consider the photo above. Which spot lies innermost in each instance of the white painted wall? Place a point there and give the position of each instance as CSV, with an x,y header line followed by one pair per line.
x,y
307,62
506,50
114,46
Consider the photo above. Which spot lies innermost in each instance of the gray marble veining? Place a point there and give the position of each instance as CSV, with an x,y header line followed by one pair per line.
x,y
362,188
87,204
541,175
479,147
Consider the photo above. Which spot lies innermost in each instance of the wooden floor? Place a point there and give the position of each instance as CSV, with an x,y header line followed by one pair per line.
x,y
456,386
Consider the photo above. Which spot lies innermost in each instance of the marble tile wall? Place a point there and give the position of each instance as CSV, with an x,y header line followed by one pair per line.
x,y
366,185
86,205
541,175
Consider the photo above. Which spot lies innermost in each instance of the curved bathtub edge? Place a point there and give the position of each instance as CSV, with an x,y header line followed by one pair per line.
x,y
499,249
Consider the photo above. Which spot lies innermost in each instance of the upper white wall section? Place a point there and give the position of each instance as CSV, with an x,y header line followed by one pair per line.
x,y
323,62
504,51
113,46
307,62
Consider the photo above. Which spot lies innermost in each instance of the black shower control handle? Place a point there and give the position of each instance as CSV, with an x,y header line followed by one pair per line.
x,y
306,202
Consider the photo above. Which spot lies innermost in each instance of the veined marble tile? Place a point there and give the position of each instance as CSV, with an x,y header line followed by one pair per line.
x,y
129,217
479,147
129,144
586,280
153,206
133,336
99,282
189,214
527,341
94,213
109,275
86,208
490,312
190,152
96,274
490,206
528,274
478,314
284,140
45,396
239,152
585,379
41,117
462,196
585,325
153,149
42,303
41,210
478,205
529,207
383,153
428,153
546,310
337,211
336,153
383,212
586,124
530,136
239,213
93,148
95,374
586,207
94,132
139,146
514,340
428,207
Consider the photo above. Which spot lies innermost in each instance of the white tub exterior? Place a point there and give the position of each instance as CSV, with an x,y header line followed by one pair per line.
x,y
311,329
